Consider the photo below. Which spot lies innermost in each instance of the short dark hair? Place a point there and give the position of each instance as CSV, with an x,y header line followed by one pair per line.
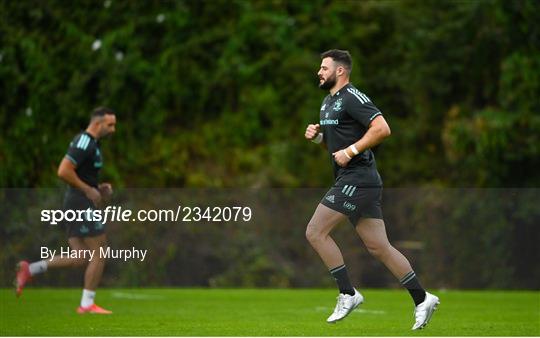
x,y
343,57
102,111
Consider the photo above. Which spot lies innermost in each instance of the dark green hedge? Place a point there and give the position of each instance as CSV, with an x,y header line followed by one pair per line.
x,y
217,93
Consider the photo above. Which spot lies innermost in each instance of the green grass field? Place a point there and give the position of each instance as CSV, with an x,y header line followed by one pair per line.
x,y
262,312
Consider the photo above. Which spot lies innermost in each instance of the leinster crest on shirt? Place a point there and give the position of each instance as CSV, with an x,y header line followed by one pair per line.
x,y
338,104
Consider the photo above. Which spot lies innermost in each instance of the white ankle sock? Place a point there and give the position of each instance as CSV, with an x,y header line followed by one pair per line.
x,y
87,298
37,267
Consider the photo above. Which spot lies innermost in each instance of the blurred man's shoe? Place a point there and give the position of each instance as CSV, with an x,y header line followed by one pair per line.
x,y
23,277
94,308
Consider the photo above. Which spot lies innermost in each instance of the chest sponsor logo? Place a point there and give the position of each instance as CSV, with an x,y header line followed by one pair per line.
x,y
326,122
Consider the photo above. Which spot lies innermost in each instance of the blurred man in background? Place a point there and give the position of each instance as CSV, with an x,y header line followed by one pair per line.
x,y
350,124
80,170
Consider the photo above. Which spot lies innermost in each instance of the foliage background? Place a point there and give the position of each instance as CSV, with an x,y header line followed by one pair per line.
x,y
216,94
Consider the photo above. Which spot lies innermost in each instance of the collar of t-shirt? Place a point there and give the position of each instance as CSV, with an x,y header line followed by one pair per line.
x,y
348,85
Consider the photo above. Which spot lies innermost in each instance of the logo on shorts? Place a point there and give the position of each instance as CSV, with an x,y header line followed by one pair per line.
x,y
330,198
348,190
349,206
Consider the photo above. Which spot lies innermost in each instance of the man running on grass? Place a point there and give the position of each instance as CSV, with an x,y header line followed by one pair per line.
x,y
349,126
80,170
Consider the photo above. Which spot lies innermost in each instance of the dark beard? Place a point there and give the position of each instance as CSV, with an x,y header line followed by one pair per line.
x,y
328,84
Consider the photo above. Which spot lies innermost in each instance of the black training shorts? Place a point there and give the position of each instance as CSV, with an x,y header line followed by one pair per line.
x,y
85,227
354,201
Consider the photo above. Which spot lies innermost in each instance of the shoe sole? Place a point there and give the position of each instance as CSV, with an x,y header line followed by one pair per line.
x,y
429,316
337,320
